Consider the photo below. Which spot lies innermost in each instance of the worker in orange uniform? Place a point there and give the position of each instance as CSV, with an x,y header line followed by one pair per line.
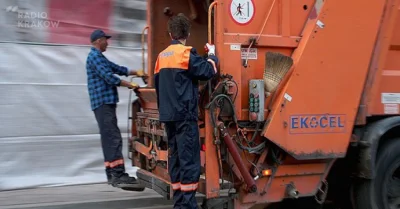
x,y
177,71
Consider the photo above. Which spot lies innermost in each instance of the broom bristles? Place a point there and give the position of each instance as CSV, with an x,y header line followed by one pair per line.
x,y
276,67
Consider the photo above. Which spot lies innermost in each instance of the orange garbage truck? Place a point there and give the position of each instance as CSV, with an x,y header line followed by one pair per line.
x,y
305,103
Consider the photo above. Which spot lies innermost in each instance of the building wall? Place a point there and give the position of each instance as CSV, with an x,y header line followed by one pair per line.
x,y
48,134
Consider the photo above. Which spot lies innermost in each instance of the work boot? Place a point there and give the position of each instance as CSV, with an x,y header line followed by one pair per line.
x,y
126,182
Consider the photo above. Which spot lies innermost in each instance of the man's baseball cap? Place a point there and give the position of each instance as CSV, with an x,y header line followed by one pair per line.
x,y
96,34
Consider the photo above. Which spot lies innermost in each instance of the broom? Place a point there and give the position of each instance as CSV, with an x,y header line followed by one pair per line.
x,y
276,67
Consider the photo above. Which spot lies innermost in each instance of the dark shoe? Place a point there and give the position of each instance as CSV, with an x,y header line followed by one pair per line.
x,y
126,182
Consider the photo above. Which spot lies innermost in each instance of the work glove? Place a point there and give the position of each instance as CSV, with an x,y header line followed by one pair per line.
x,y
133,85
140,73
210,49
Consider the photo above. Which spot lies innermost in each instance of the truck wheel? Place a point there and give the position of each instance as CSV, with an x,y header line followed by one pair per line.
x,y
383,192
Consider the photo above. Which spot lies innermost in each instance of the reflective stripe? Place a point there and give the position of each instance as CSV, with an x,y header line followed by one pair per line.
x,y
176,186
114,163
185,187
213,64
189,187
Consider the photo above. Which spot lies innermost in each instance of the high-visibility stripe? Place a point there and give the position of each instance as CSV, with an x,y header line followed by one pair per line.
x,y
114,163
213,63
189,187
185,187
176,56
176,186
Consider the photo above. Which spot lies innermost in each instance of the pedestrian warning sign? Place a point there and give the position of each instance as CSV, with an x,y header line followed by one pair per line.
x,y
242,11
249,54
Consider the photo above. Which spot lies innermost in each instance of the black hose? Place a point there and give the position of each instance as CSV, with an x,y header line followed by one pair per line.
x,y
255,133
230,102
237,89
253,150
217,147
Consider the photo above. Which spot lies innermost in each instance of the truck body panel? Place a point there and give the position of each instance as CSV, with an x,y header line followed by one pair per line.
x,y
381,97
344,57
330,67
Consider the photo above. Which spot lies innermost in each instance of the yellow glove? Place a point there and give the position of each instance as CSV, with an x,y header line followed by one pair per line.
x,y
140,73
133,85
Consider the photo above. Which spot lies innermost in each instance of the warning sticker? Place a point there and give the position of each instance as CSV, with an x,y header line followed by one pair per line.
x,y
242,11
391,98
391,108
249,54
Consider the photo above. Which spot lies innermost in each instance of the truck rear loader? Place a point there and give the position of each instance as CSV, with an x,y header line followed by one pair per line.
x,y
305,103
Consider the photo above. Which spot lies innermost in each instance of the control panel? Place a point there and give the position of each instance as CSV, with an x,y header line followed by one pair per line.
x,y
256,100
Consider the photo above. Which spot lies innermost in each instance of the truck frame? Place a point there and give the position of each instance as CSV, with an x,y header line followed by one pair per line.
x,y
328,130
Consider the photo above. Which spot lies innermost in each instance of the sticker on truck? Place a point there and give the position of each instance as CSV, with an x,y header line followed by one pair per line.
x,y
249,54
390,98
287,97
317,123
391,108
242,11
235,47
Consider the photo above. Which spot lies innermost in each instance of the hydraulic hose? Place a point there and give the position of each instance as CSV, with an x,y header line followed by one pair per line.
x,y
251,184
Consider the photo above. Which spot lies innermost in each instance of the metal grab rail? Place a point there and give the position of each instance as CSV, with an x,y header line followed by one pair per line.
x,y
209,20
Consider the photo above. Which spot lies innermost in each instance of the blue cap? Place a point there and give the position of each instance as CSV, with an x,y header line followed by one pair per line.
x,y
98,34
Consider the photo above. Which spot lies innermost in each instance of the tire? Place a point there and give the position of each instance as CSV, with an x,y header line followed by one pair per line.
x,y
372,194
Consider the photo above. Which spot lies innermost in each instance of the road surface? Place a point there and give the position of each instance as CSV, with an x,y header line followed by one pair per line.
x,y
97,196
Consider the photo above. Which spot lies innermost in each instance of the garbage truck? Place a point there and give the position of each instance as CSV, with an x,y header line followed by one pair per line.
x,y
305,104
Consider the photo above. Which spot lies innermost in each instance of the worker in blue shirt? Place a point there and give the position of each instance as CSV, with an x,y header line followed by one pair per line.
x,y
178,70
102,87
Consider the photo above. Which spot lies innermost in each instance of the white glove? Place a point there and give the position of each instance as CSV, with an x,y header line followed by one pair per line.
x,y
210,49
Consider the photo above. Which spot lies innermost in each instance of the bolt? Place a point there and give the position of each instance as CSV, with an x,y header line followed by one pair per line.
x,y
168,12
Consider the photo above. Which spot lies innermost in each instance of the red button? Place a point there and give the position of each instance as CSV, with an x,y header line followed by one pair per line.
x,y
253,116
256,95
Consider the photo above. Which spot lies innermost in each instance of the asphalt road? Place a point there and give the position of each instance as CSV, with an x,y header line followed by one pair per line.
x,y
152,203
98,196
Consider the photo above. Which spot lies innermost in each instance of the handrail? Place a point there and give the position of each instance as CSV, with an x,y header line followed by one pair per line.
x,y
130,92
209,20
144,29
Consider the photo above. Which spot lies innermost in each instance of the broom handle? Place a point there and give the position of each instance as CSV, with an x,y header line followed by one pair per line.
x,y
266,20
259,35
